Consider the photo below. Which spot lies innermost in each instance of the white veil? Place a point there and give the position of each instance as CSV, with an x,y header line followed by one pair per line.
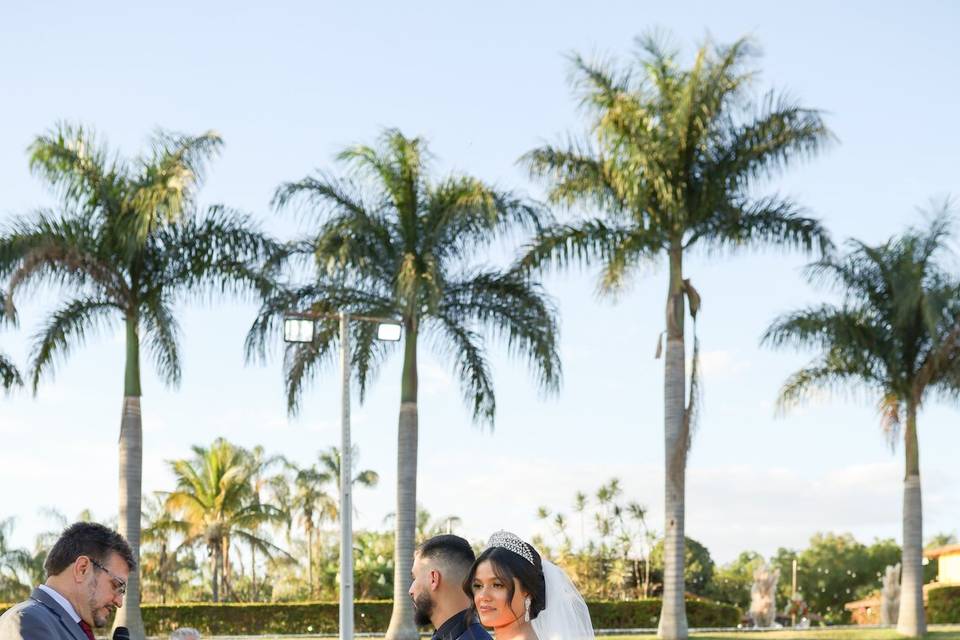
x,y
566,616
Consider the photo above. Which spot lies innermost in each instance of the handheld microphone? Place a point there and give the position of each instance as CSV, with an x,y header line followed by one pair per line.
x,y
121,633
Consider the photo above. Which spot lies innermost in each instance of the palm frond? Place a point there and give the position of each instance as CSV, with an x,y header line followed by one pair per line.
x,y
769,140
168,179
582,243
67,327
302,363
9,375
72,160
463,215
514,309
472,368
163,339
577,174
59,251
764,222
222,251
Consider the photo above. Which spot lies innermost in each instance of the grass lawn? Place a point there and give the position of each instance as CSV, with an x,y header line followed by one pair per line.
x,y
937,633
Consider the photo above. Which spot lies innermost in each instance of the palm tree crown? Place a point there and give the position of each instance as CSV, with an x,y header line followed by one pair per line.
x,y
402,248
216,503
126,241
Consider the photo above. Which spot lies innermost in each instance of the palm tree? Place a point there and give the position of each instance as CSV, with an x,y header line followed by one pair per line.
x,y
671,164
330,461
158,530
394,243
896,335
313,504
215,503
126,243
260,464
12,563
9,376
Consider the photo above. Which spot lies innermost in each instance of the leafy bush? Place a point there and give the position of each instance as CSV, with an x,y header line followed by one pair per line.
x,y
943,604
374,616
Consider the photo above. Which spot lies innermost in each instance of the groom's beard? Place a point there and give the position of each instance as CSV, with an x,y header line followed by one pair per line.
x,y
422,609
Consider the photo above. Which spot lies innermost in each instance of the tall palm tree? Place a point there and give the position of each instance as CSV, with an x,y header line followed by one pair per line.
x,y
330,461
126,242
9,375
896,335
671,164
392,242
215,502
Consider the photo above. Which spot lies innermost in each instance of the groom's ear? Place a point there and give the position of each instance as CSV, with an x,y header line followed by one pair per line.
x,y
435,578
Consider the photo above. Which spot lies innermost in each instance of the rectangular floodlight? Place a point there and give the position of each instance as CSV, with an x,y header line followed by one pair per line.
x,y
297,330
388,331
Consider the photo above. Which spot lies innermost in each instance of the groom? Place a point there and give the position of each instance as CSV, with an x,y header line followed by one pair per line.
x,y
440,565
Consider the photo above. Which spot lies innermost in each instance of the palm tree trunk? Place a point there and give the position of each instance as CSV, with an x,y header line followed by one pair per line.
x,y
401,619
912,621
215,584
131,473
310,559
253,573
673,613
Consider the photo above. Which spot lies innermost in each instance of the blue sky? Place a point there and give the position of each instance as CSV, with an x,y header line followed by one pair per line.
x,y
290,84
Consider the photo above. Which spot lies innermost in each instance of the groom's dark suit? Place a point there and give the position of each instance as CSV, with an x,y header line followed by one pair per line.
x,y
459,627
39,618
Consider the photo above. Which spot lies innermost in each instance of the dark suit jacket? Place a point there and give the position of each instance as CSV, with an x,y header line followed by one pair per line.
x,y
475,632
39,618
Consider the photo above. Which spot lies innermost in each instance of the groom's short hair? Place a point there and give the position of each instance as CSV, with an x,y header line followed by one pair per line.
x,y
452,551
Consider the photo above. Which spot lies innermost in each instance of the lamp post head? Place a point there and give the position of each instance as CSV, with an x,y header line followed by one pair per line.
x,y
388,331
297,330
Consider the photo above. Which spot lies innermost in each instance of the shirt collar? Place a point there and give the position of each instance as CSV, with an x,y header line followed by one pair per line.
x,y
453,628
63,602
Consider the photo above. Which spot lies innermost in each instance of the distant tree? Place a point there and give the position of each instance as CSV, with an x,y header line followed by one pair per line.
x,y
731,582
833,570
698,566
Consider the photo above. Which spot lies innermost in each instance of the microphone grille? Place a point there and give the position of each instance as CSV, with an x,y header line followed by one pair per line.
x,y
121,633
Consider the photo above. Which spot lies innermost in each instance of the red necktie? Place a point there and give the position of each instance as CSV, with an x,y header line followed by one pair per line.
x,y
87,630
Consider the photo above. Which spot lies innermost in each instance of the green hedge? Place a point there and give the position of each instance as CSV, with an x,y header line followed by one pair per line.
x,y
374,616
641,614
943,604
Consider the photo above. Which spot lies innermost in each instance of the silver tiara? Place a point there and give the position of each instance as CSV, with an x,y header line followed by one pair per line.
x,y
510,542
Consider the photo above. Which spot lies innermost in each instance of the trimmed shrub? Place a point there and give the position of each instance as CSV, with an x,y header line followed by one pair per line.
x,y
943,604
230,618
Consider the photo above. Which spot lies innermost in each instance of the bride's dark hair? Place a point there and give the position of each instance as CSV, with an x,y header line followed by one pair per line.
x,y
508,565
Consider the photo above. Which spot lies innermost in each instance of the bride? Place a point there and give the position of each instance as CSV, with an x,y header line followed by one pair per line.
x,y
523,597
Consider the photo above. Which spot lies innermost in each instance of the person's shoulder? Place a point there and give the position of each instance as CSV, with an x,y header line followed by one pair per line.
x,y
475,631
28,619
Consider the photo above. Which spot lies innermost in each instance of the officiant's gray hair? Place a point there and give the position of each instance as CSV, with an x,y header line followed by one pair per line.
x,y
185,633
451,550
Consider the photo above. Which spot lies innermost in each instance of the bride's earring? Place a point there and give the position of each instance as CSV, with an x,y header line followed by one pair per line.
x,y
526,609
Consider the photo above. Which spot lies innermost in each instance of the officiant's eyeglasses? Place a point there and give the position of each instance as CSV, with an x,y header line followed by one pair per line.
x,y
119,584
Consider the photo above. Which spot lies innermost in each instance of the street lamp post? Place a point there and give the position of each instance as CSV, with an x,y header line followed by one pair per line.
x,y
346,495
300,327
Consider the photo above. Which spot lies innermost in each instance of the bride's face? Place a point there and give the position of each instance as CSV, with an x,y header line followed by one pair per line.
x,y
490,595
